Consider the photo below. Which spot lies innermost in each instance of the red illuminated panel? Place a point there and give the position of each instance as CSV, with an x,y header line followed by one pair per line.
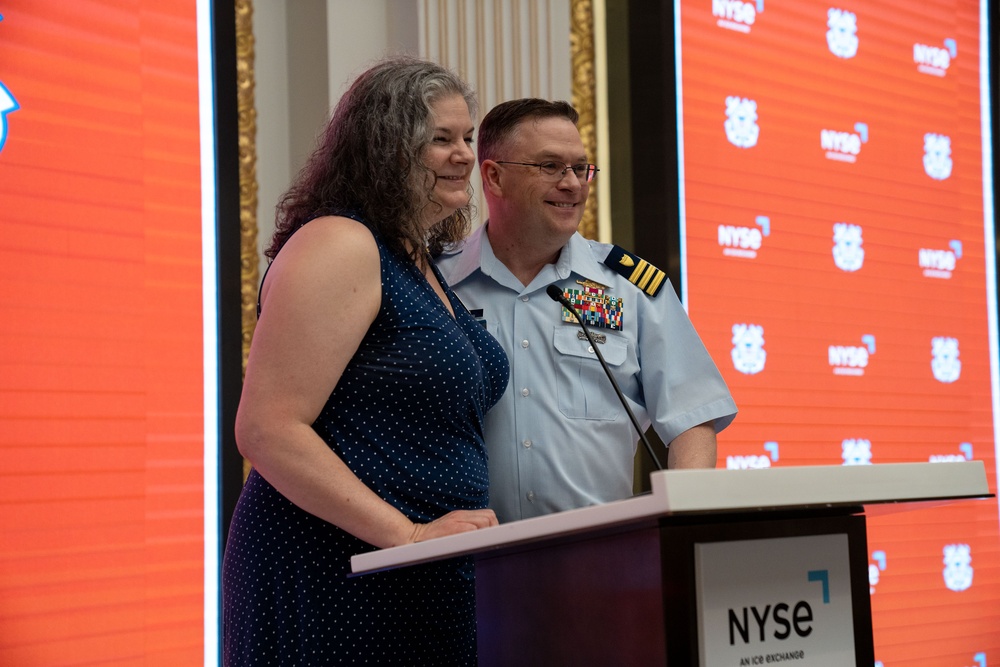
x,y
836,268
101,417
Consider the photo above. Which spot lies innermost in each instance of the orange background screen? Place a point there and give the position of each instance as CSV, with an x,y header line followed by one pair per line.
x,y
830,352
101,371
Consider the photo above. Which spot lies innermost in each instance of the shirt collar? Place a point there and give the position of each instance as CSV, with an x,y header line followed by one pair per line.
x,y
577,256
470,254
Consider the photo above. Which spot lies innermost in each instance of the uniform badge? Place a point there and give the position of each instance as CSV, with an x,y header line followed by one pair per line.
x,y
636,270
477,314
597,308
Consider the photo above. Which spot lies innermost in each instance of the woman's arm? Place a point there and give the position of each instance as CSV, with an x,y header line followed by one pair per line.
x,y
295,362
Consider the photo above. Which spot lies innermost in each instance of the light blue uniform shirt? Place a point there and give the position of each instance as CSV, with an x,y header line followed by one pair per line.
x,y
559,438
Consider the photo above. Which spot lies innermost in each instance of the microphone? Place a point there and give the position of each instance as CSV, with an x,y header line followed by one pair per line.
x,y
556,294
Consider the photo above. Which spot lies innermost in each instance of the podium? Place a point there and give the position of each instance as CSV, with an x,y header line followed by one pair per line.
x,y
712,567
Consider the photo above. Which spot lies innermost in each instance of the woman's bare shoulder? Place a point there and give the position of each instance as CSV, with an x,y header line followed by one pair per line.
x,y
335,234
331,251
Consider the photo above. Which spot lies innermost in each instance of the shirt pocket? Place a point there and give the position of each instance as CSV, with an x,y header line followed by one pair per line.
x,y
584,391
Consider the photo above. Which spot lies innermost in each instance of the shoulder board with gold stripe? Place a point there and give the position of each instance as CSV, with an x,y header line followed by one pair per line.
x,y
636,270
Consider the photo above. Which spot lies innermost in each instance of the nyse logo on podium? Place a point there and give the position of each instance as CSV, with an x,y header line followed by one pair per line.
x,y
781,623
789,602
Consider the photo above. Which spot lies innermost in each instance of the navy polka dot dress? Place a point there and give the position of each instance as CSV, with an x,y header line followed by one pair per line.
x,y
407,418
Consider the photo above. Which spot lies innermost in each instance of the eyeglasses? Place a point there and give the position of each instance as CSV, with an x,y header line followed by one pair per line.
x,y
583,172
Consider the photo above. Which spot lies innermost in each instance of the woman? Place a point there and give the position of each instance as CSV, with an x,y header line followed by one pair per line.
x,y
365,392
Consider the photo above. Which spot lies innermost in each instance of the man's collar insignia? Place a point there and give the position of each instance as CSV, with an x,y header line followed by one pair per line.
x,y
592,284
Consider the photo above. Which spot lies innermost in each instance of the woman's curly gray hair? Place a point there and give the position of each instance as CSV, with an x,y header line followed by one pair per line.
x,y
368,160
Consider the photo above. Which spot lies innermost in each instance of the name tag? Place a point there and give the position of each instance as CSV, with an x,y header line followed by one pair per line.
x,y
478,314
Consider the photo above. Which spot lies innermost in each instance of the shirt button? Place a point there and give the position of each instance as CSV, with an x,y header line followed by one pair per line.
x,y
531,496
525,391
527,444
525,299
525,343
590,348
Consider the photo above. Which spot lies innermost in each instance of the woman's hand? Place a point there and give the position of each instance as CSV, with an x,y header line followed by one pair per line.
x,y
457,521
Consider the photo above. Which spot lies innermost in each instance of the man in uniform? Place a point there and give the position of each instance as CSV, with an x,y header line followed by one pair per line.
x,y
559,438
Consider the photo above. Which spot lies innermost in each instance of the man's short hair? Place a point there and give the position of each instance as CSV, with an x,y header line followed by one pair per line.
x,y
500,124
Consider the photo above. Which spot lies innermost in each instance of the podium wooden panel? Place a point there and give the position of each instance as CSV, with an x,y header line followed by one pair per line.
x,y
615,584
629,598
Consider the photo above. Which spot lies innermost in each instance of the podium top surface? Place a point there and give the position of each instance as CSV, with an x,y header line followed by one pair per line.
x,y
714,491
